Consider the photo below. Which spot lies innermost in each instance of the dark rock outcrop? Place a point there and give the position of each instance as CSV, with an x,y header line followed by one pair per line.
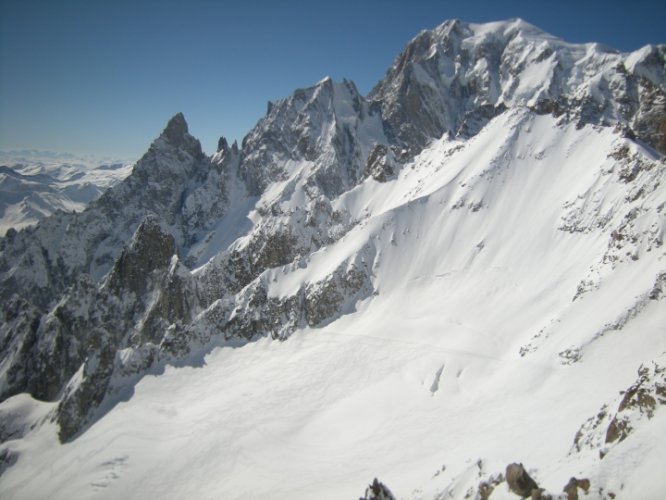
x,y
519,481
643,397
88,391
222,145
639,401
176,133
377,491
380,164
151,248
321,124
571,488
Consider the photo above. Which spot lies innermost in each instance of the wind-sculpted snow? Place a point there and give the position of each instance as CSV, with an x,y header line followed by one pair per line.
x,y
426,285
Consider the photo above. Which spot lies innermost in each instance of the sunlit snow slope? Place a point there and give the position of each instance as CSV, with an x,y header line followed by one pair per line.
x,y
507,310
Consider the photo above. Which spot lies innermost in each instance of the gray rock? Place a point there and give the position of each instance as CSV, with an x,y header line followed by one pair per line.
x,y
176,133
377,491
81,396
380,165
151,248
222,145
519,481
312,125
435,86
571,488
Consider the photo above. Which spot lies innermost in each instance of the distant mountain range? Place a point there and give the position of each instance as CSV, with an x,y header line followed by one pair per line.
x,y
35,184
460,272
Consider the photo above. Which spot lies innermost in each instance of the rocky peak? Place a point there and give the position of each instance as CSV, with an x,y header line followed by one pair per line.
x,y
222,145
318,124
377,491
223,149
168,173
326,83
176,128
455,78
649,62
176,135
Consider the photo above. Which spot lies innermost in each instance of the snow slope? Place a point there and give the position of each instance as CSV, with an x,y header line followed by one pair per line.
x,y
458,364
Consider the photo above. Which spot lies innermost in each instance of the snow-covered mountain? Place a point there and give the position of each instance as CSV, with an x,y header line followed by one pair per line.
x,y
459,271
35,184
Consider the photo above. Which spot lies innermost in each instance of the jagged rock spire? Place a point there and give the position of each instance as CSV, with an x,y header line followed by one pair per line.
x,y
176,134
222,144
176,129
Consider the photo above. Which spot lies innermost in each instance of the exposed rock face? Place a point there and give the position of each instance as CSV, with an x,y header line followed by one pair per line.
x,y
486,488
146,299
222,145
380,164
640,401
643,397
322,124
19,331
169,180
75,344
377,491
453,79
519,481
87,388
177,134
70,253
571,488
151,248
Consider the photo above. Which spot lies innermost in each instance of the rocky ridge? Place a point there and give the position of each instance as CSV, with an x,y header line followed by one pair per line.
x,y
453,79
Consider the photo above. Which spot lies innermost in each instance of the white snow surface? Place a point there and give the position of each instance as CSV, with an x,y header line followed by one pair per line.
x,y
456,366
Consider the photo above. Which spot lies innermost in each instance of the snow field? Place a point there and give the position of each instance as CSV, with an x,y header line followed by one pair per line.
x,y
424,384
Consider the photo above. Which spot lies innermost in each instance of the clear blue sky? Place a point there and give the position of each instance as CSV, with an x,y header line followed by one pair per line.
x,y
104,76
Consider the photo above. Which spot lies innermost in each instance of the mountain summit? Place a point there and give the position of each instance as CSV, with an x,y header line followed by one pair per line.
x,y
176,129
454,78
177,135
463,269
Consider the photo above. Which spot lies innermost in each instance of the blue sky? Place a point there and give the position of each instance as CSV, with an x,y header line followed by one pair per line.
x,y
92,76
